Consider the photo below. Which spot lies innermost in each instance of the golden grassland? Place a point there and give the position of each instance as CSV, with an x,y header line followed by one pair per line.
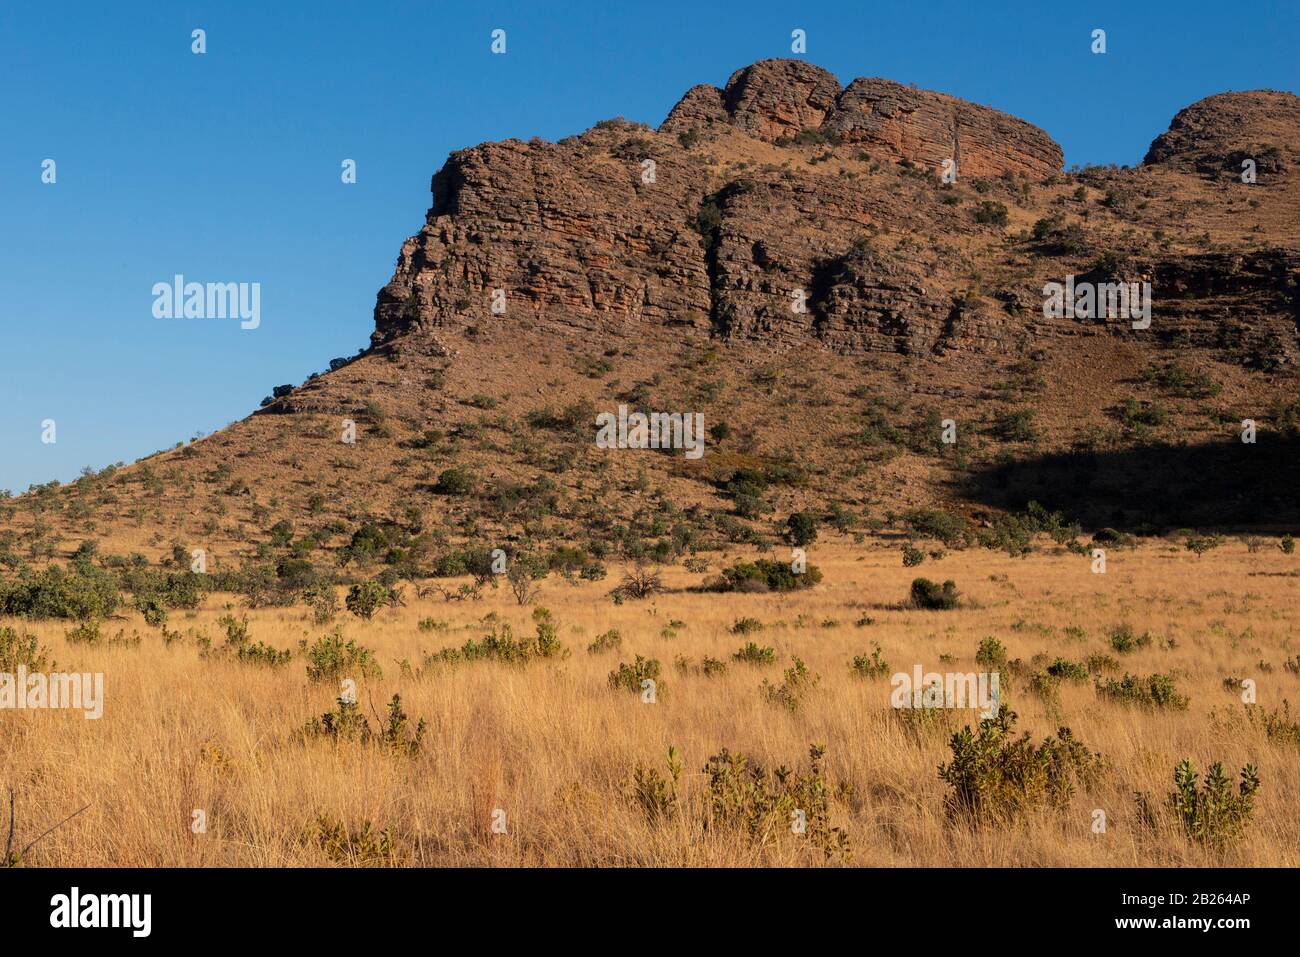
x,y
552,745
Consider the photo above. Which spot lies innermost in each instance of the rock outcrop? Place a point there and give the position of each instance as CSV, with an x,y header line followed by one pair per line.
x,y
1216,134
694,231
781,100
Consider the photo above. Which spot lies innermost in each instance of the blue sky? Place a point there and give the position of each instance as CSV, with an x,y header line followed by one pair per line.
x,y
225,166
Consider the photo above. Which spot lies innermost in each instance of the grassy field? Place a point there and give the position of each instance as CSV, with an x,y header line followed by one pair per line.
x,y
549,749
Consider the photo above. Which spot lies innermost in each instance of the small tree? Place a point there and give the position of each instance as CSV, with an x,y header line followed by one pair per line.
x,y
800,529
366,598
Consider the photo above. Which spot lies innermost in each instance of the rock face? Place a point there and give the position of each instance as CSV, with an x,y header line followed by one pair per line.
x,y
777,100
784,211
1216,134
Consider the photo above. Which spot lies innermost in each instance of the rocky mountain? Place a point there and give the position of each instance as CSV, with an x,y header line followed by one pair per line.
x,y
827,272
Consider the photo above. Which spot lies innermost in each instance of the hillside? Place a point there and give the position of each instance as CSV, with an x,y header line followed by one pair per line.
x,y
661,269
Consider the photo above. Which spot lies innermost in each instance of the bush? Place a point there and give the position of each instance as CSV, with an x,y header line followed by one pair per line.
x,y
1211,813
996,777
21,650
455,481
754,654
330,658
501,645
798,682
991,213
948,528
1068,670
1124,641
366,598
630,677
745,797
79,594
872,666
912,556
655,794
801,529
1153,691
931,596
609,641
763,575
991,653
744,626
346,722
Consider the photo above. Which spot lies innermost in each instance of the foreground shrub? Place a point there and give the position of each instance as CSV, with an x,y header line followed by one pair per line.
x,y
996,777
350,846
1212,814
241,647
1124,641
655,794
743,796
366,598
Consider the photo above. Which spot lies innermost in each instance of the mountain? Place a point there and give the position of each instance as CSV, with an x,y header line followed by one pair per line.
x,y
786,256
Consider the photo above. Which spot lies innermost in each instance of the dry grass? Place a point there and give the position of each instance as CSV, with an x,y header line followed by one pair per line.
x,y
552,745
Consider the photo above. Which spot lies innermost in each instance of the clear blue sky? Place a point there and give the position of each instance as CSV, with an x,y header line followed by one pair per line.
x,y
225,166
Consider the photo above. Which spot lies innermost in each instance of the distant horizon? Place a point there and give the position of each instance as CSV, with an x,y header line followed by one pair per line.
x,y
224,167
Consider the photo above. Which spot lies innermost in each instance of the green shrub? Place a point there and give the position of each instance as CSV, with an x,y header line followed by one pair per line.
x,y
754,654
366,598
1211,813
912,556
872,666
1153,691
929,595
331,658
630,677
996,777
78,594
655,794
501,645
745,626
991,653
1123,640
346,722
801,529
21,650
1067,670
745,797
795,687
455,481
763,575
609,641
991,213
